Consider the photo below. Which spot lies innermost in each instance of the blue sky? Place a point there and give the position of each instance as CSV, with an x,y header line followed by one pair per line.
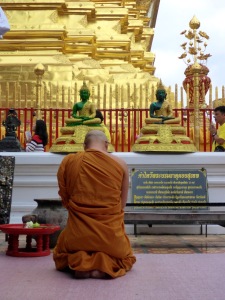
x,y
173,18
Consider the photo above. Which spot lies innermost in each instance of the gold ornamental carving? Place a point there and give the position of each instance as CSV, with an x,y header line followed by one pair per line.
x,y
72,139
163,138
197,82
80,39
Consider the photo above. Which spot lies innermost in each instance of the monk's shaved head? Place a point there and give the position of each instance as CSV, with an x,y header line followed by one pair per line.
x,y
95,137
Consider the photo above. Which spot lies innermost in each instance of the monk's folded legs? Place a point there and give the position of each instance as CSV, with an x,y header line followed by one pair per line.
x,y
89,274
98,274
82,274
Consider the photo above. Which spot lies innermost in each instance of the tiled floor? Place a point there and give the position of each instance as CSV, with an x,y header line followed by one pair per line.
x,y
178,244
164,243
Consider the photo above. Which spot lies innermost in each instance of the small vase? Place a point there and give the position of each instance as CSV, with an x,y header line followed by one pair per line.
x,y
51,211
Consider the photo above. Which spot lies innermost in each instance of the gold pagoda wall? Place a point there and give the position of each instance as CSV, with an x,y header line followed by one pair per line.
x,y
105,43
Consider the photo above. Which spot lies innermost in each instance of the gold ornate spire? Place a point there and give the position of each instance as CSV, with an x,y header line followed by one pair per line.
x,y
194,50
84,87
160,86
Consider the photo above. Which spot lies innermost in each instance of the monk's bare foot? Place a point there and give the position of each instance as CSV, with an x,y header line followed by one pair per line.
x,y
82,274
98,274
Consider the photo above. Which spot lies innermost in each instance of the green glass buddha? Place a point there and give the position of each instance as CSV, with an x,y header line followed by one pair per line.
x,y
84,112
161,111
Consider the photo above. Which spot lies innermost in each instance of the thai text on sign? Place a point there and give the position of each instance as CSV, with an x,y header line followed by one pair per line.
x,y
169,186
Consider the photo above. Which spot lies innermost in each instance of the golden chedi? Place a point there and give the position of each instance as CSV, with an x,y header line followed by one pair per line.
x,y
106,42
163,132
84,118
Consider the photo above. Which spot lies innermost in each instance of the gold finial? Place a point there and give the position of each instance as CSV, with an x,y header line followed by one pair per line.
x,y
194,49
39,69
160,86
194,23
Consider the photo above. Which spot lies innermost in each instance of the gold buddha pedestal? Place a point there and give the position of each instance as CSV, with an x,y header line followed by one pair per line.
x,y
72,138
163,138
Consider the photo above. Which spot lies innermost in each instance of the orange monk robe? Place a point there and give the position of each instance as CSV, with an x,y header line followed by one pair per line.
x,y
94,237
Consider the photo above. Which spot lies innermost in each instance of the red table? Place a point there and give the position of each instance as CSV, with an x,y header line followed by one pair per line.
x,y
40,234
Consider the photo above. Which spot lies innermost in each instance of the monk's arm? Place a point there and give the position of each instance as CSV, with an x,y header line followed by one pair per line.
x,y
125,186
61,176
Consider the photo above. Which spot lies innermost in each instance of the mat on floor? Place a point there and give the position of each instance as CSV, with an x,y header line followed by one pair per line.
x,y
154,276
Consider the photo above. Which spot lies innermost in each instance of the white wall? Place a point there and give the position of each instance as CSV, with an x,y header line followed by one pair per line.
x,y
35,177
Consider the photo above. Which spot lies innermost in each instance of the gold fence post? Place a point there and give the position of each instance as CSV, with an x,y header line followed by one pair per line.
x,y
39,71
196,69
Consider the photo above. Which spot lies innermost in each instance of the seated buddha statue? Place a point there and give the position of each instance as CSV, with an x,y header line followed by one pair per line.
x,y
84,112
84,118
162,131
161,111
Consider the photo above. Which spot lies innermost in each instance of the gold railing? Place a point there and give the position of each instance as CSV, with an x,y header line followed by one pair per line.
x,y
43,94
125,107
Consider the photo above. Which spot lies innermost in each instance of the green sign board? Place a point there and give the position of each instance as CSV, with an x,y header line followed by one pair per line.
x,y
169,186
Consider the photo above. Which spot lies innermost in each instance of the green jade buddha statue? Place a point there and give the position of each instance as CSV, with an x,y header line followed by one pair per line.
x,y
84,112
83,119
161,111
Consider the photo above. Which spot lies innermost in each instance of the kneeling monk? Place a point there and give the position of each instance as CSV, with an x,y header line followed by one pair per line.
x,y
93,186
